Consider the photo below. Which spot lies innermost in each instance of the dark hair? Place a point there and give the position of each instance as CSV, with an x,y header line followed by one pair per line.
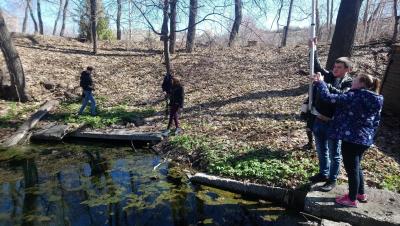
x,y
89,68
345,61
371,83
176,81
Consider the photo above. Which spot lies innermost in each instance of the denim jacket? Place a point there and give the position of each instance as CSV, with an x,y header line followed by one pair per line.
x,y
357,114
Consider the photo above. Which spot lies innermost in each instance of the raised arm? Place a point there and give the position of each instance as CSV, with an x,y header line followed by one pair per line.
x,y
325,95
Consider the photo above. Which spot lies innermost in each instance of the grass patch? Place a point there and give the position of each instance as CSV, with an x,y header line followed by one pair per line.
x,y
16,112
105,117
264,165
391,182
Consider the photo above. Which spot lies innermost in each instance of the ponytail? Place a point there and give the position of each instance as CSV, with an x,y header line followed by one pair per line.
x,y
371,83
376,85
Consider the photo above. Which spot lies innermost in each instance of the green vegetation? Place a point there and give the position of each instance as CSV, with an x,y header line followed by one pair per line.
x,y
15,113
103,30
105,117
263,164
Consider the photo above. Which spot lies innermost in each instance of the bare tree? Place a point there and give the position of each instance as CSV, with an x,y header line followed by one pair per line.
x,y
93,16
64,18
371,20
346,25
25,22
396,22
317,21
285,34
192,26
39,13
172,26
119,12
58,17
365,20
236,23
32,16
165,36
13,62
330,21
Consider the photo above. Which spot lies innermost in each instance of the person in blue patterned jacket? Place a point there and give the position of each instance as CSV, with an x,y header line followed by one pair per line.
x,y
355,122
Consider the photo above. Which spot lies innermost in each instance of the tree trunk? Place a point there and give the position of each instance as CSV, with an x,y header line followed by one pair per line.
x,y
64,18
330,21
13,62
396,22
172,26
365,21
93,12
30,123
24,24
58,17
346,25
236,23
327,15
165,37
192,26
32,16
39,13
317,21
119,12
285,34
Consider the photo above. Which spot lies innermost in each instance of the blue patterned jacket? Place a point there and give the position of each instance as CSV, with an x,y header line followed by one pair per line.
x,y
357,114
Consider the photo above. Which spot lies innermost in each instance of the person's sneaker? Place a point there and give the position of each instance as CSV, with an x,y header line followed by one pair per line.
x,y
345,201
362,198
329,185
178,131
318,178
165,132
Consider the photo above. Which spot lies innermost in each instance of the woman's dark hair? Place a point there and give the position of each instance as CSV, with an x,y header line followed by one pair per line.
x,y
371,83
176,81
89,68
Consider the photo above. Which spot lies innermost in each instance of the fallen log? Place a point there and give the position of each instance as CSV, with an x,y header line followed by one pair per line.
x,y
29,124
287,197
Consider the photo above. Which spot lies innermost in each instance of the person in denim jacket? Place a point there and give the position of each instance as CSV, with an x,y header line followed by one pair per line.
x,y
355,122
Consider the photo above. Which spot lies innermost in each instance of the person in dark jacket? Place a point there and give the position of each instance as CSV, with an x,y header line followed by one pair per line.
x,y
176,99
166,88
355,122
86,83
338,81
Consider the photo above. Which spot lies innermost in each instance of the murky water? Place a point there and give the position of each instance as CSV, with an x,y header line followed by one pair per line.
x,y
92,185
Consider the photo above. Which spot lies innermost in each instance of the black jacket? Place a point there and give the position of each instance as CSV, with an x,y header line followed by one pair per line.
x,y
177,96
167,84
343,85
86,81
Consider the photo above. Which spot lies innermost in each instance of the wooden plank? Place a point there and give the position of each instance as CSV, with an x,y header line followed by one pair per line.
x,y
30,123
118,135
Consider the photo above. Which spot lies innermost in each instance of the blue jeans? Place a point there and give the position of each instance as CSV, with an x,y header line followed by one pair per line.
x,y
88,97
328,150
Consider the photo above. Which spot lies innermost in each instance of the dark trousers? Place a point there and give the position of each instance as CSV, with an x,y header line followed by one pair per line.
x,y
173,116
352,154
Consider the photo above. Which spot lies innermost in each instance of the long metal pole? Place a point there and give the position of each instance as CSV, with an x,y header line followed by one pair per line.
x,y
312,55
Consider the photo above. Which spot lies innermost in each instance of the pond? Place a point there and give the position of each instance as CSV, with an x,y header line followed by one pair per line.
x,y
71,184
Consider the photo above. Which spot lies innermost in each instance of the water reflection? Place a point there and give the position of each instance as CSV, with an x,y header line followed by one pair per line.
x,y
99,190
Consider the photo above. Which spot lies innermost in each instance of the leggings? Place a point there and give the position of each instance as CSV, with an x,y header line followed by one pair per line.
x,y
174,116
352,154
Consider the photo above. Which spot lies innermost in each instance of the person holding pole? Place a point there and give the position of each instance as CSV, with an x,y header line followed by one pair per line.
x,y
338,81
355,122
